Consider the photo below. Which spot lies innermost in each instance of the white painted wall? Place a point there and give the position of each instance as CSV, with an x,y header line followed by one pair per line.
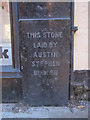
x,y
5,37
81,36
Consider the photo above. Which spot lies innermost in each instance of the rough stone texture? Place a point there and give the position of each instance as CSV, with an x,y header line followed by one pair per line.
x,y
89,85
47,89
44,10
89,79
11,90
81,85
81,77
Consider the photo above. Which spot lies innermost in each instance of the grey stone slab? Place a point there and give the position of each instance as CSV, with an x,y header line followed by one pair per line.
x,y
11,90
63,113
36,10
45,51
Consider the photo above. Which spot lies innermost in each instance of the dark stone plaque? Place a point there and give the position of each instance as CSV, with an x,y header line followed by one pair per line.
x,y
45,61
36,10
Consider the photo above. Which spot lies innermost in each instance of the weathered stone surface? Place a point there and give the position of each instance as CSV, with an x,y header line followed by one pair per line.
x,y
81,77
11,90
81,80
89,79
89,85
45,61
44,9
